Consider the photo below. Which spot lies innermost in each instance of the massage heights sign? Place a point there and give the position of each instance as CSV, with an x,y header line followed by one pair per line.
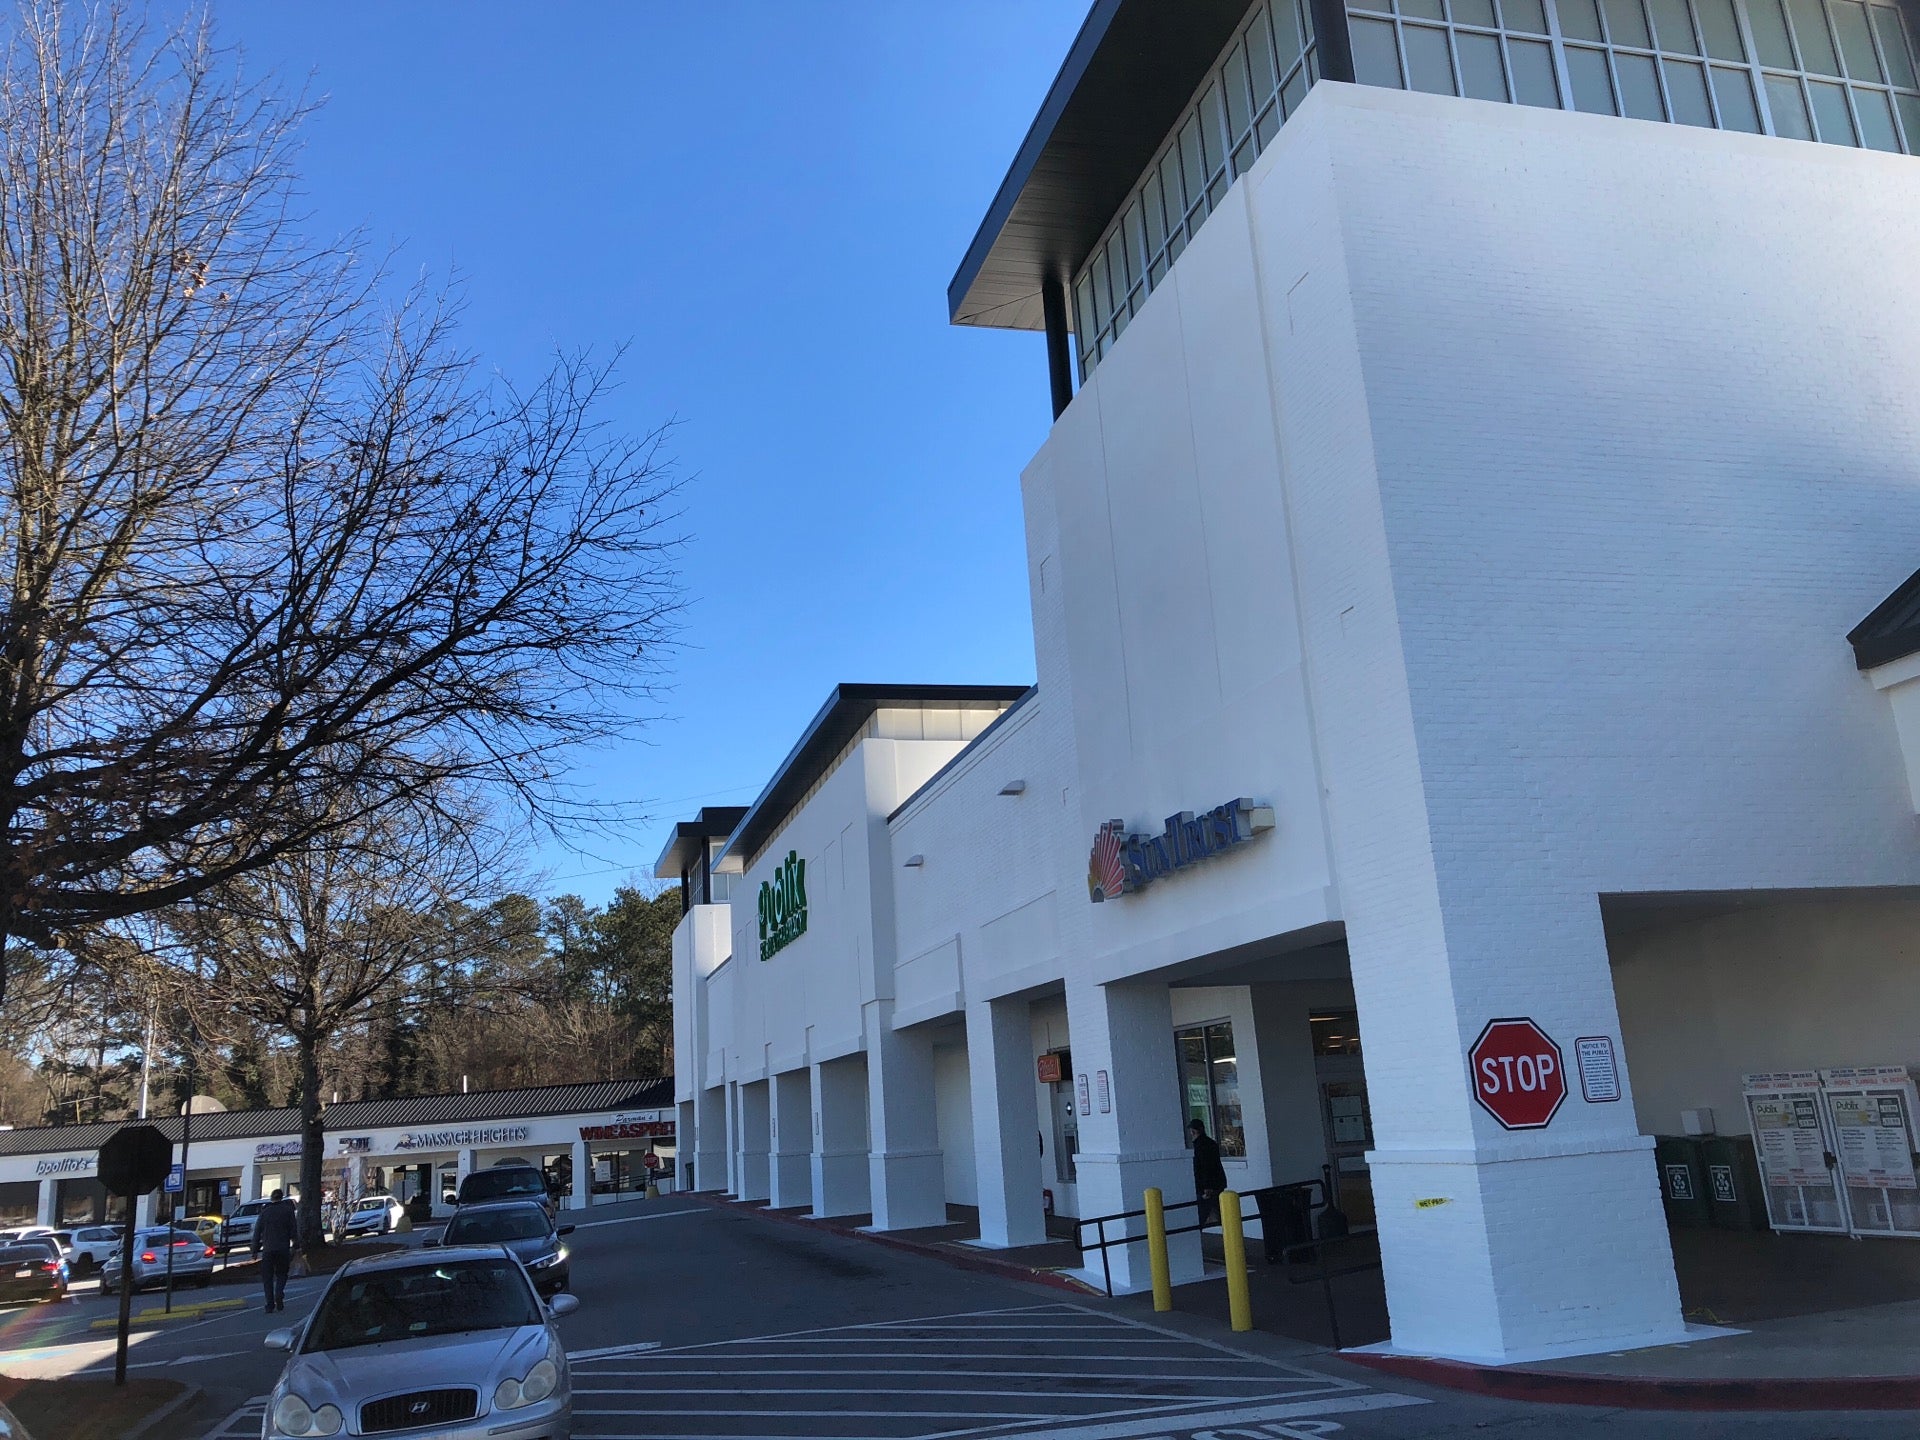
x,y
1123,862
783,906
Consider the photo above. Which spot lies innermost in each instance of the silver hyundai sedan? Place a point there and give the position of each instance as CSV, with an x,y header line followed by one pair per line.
x,y
453,1341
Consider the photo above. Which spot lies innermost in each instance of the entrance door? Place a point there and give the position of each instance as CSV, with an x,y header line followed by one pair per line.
x,y
1344,1116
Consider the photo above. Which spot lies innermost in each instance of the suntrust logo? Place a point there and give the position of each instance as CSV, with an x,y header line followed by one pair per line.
x,y
783,906
1123,862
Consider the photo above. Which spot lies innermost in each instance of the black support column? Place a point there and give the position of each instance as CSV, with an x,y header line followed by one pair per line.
x,y
1053,306
1334,41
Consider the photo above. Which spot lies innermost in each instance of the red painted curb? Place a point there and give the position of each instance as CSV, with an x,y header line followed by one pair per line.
x,y
1646,1392
959,1259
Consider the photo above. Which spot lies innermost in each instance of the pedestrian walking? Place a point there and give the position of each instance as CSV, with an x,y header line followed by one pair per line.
x,y
273,1246
1209,1175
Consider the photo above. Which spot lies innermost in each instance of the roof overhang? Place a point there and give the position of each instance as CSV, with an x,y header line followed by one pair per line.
x,y
1132,67
843,716
682,850
1892,631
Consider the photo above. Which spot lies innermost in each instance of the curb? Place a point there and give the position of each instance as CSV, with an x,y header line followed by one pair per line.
x,y
190,1396
1646,1392
959,1259
151,1316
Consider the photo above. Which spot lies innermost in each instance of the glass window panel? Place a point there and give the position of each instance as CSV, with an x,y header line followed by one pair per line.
x,y
1734,92
1084,323
1296,90
1155,211
1533,78
1579,20
1176,241
1287,41
1376,59
1788,107
1856,40
1423,9
1136,242
1170,187
1639,87
1687,92
1268,125
1474,12
1243,156
1719,29
1627,24
1211,135
1429,66
1230,1128
1156,272
1672,27
1102,305
1587,73
1481,74
1910,120
1260,72
1893,44
1816,46
1831,120
1192,162
1239,97
1525,16
1770,33
1876,120
1119,265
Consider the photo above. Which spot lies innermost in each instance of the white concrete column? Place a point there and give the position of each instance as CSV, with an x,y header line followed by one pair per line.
x,y
736,1140
49,1200
1006,1122
1127,1030
841,1183
582,1195
756,1140
908,1185
465,1162
708,1142
249,1182
791,1169
143,1208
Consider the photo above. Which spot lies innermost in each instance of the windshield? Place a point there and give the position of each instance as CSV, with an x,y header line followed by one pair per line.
x,y
495,1184
379,1204
482,1227
410,1304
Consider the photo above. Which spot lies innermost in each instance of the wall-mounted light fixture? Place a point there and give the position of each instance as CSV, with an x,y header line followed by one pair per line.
x,y
913,862
1014,787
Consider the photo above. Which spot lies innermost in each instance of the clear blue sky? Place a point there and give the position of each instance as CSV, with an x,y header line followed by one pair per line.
x,y
765,199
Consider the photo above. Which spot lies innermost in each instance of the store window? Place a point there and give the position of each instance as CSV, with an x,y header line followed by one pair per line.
x,y
1210,1082
1337,1033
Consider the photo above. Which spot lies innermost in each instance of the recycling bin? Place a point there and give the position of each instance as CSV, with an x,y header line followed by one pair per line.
x,y
1286,1217
1683,1180
1734,1198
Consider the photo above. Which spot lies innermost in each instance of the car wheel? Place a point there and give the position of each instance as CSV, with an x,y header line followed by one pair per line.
x,y
203,1281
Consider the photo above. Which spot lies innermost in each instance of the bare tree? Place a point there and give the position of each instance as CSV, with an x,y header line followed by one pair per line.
x,y
276,558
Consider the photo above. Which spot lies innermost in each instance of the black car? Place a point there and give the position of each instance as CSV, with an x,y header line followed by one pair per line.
x,y
508,1180
522,1227
31,1272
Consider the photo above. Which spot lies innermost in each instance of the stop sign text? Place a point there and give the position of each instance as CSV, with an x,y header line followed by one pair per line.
x,y
1518,1076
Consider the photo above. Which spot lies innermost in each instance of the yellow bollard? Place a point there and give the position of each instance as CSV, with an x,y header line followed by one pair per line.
x,y
1233,1242
1157,1250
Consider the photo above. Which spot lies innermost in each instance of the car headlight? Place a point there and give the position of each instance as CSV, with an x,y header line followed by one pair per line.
x,y
541,1381
293,1416
545,1260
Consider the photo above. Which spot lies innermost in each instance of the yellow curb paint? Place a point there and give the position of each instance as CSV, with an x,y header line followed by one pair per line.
x,y
180,1312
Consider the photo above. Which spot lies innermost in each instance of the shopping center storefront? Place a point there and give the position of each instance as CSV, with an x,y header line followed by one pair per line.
x,y
1447,765
594,1142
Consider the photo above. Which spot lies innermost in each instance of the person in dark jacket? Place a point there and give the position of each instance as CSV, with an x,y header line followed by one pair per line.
x,y
1209,1175
273,1242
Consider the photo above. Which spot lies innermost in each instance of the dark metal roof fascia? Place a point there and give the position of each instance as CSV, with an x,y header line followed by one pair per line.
x,y
837,722
1892,631
934,779
1132,67
715,822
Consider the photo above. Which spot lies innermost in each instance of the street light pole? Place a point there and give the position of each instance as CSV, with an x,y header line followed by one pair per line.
x,y
186,1140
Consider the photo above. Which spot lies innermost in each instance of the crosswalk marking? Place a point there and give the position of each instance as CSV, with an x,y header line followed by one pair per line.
x,y
244,1423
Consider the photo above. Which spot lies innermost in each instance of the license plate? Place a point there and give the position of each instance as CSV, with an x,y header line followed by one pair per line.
x,y
23,1274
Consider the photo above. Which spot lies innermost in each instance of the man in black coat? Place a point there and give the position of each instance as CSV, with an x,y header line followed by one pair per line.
x,y
273,1239
1209,1175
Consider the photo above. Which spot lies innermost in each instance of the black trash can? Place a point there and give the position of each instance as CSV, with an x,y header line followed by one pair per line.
x,y
1734,1197
1286,1217
1683,1180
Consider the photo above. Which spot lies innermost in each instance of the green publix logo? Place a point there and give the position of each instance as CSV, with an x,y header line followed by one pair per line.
x,y
783,906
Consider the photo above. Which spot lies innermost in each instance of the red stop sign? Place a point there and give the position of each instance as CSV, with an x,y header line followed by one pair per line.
x,y
1517,1072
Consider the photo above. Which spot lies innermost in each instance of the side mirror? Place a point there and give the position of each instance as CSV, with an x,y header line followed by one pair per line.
x,y
564,1230
280,1339
563,1304
429,1244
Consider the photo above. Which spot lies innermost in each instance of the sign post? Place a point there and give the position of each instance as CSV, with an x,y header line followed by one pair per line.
x,y
1518,1075
134,1160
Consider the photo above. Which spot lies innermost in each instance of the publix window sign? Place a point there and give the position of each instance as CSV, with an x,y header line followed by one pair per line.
x,y
783,906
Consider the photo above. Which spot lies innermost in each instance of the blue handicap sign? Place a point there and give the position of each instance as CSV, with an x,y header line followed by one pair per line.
x,y
176,1179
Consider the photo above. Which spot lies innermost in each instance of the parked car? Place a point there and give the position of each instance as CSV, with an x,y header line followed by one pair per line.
x,y
525,1229
508,1180
371,1215
91,1246
192,1259
455,1340
237,1230
29,1272
207,1227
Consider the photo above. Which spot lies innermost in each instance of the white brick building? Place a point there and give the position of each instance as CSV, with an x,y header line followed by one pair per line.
x,y
1486,489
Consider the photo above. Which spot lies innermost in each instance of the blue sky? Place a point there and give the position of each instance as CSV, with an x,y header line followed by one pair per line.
x,y
765,200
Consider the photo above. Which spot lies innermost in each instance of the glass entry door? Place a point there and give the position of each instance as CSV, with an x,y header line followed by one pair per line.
x,y
1344,1115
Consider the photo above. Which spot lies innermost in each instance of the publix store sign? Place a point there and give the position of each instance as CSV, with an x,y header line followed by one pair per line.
x,y
783,906
1123,862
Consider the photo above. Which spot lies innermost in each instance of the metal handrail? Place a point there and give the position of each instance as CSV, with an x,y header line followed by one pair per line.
x,y
1325,1275
1103,1244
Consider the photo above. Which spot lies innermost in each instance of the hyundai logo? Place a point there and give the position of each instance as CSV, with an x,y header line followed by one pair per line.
x,y
419,1407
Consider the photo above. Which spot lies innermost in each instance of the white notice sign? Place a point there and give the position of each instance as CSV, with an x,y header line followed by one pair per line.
x,y
1599,1075
1786,1131
1871,1133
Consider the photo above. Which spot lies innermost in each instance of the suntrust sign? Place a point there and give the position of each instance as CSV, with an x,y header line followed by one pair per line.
x,y
783,906
1123,862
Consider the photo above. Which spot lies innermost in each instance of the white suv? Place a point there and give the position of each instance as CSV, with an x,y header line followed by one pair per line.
x,y
92,1244
238,1229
